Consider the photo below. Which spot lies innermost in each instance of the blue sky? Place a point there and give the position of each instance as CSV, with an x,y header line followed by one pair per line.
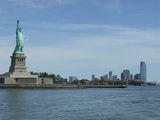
x,y
83,37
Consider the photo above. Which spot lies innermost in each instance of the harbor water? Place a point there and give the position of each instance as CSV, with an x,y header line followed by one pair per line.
x,y
132,103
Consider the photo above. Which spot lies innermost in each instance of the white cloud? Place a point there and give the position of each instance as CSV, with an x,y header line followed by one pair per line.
x,y
81,26
113,5
114,35
41,3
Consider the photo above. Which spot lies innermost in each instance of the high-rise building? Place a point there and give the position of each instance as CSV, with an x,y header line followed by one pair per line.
x,y
72,78
93,77
104,77
131,77
114,77
125,75
137,77
143,71
110,75
122,76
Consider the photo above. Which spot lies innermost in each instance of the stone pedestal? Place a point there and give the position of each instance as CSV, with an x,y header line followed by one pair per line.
x,y
18,74
18,71
18,63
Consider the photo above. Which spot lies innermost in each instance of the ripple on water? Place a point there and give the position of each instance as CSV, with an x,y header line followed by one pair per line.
x,y
134,103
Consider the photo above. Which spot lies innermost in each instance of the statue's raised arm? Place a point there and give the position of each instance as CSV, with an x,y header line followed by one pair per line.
x,y
19,40
17,23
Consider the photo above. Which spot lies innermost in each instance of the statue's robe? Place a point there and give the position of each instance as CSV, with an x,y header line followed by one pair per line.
x,y
19,41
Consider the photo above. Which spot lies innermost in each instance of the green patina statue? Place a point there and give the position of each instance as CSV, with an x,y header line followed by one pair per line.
x,y
19,40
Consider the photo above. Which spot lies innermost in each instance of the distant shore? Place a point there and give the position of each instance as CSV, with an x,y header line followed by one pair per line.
x,y
105,86
57,86
36,86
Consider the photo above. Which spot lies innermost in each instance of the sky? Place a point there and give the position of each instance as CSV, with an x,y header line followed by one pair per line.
x,y
83,37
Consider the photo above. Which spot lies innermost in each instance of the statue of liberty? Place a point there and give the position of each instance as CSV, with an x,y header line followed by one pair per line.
x,y
19,40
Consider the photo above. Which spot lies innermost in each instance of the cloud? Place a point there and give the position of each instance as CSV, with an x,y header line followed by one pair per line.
x,y
41,3
112,5
103,32
80,26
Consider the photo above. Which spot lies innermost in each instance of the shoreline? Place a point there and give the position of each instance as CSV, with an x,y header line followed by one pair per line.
x,y
57,86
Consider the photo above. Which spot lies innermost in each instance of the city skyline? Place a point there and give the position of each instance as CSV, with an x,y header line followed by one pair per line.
x,y
83,38
126,75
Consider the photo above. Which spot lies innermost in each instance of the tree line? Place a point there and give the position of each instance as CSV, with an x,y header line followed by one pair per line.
x,y
55,78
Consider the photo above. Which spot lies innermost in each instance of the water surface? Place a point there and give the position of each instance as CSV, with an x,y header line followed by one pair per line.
x,y
133,103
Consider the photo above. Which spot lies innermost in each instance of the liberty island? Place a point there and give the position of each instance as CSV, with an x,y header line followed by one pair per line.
x,y
18,76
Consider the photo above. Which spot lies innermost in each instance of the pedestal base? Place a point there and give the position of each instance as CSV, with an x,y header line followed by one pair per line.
x,y
18,63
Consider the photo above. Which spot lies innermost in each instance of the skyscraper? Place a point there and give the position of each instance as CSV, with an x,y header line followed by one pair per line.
x,y
125,75
137,77
72,78
122,76
110,75
114,77
93,77
104,77
143,71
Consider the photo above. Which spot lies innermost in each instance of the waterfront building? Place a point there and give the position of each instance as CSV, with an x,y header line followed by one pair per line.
x,y
131,77
122,76
96,79
110,75
72,78
93,77
64,80
143,71
114,77
125,75
137,77
104,77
